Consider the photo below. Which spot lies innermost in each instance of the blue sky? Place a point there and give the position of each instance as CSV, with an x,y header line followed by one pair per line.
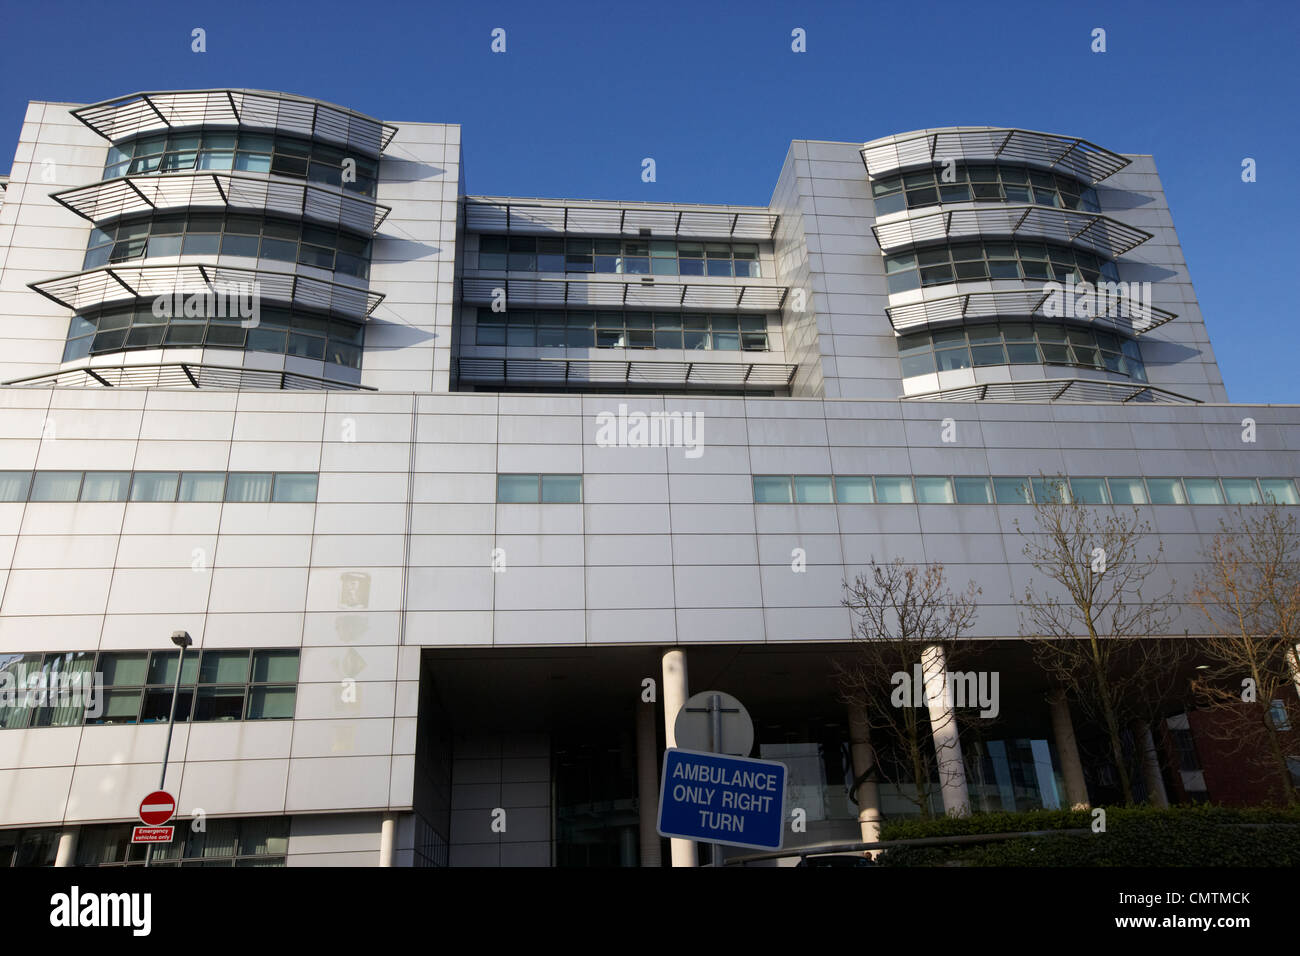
x,y
713,92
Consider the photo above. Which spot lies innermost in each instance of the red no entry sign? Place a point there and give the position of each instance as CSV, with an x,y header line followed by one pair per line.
x,y
157,808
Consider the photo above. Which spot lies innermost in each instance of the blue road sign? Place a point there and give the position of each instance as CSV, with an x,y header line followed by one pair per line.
x,y
715,798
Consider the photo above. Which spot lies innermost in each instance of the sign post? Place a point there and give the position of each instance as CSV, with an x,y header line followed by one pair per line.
x,y
711,791
155,810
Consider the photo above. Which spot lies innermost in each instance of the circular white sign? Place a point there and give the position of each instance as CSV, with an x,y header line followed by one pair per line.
x,y
697,720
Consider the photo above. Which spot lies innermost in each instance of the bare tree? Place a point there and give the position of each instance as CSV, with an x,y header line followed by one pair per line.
x,y
1250,596
900,611
1091,627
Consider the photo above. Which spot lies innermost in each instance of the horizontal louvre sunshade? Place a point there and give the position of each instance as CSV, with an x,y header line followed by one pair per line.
x,y
482,215
1101,234
658,294
144,194
980,306
182,375
1077,157
116,283
597,372
139,113
1055,390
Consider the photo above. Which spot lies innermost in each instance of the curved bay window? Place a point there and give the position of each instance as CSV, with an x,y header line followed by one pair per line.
x,y
1019,343
981,182
223,151
212,234
285,331
976,261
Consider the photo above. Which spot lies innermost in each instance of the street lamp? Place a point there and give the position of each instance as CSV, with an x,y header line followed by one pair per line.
x,y
182,640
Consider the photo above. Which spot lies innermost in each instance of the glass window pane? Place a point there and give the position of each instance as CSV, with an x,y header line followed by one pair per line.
x,y
271,703
277,667
973,491
1280,491
105,486
56,486
1011,491
854,490
127,668
1241,491
219,703
1127,491
1203,491
162,667
772,489
517,489
158,701
894,489
248,486
1054,490
295,487
812,490
14,485
120,707
154,486
1166,491
223,667
202,486
934,491
561,489
1089,491
19,669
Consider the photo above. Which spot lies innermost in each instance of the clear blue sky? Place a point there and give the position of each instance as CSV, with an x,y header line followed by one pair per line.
x,y
714,94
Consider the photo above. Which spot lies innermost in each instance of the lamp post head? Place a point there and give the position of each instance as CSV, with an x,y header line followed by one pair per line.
x,y
182,638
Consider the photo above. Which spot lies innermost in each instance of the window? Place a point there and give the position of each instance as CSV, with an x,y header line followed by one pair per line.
x,y
1017,343
937,265
854,490
1166,491
206,234
973,491
294,487
1011,491
1203,491
1127,491
546,489
248,486
663,257
250,152
894,489
1054,490
607,329
154,486
56,486
105,486
772,489
1089,491
934,491
202,486
14,485
999,182
813,490
1240,491
561,489
1280,491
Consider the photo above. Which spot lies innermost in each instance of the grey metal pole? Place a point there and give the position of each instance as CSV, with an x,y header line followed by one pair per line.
x,y
167,749
715,717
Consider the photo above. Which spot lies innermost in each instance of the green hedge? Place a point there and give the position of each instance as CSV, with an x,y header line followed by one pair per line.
x,y
1200,835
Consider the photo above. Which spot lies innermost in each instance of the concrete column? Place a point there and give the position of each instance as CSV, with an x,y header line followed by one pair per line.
x,y
943,726
675,693
66,854
1067,748
1151,775
864,759
387,839
647,783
